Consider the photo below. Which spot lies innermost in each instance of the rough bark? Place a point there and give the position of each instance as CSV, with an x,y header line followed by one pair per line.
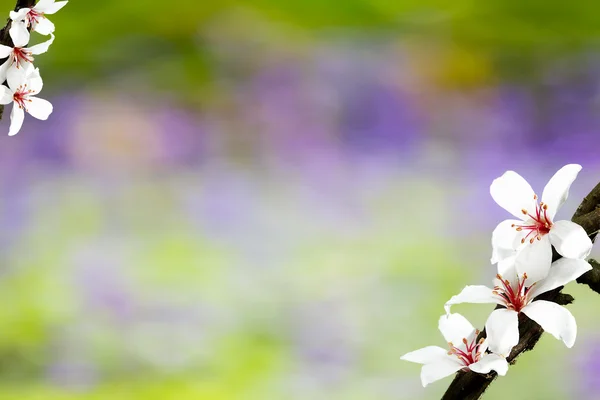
x,y
592,277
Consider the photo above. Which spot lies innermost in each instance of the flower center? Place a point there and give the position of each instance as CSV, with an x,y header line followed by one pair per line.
x,y
469,352
513,298
33,17
21,96
538,225
20,56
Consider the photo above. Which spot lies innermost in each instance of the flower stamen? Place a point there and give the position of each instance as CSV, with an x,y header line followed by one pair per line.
x,y
21,56
469,352
514,298
538,224
33,17
21,95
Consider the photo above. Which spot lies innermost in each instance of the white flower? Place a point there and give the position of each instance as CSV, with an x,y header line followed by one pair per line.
x,y
36,17
535,230
22,87
19,56
465,352
516,293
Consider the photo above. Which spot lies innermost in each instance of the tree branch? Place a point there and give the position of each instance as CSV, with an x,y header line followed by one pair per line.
x,y
589,203
470,385
590,221
5,36
592,277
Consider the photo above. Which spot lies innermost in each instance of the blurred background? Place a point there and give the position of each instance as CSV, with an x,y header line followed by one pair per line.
x,y
273,200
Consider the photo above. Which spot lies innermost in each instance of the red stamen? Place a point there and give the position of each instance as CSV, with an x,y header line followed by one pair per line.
x,y
21,56
21,95
469,352
538,224
33,17
514,298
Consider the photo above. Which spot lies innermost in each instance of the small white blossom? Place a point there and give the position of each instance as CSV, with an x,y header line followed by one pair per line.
x,y
466,352
516,292
35,18
20,56
535,231
21,91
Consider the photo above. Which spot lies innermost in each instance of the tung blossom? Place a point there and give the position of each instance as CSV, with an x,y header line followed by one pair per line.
x,y
465,352
20,56
21,91
535,230
517,293
35,18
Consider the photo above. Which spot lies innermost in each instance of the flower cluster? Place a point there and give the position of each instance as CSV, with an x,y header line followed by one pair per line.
x,y
522,252
23,79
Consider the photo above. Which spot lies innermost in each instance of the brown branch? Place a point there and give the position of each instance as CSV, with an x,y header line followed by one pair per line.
x,y
470,385
590,221
5,36
592,277
589,203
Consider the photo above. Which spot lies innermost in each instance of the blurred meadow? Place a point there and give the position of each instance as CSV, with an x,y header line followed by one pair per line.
x,y
273,200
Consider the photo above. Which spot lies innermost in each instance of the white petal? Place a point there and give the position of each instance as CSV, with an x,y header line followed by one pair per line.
x,y
473,294
44,26
535,260
513,193
19,15
39,108
42,47
500,254
502,328
508,271
554,319
6,95
17,116
34,80
570,239
426,355
4,69
30,70
562,272
439,369
5,51
15,77
557,189
51,7
43,5
455,327
19,33
489,362
507,268
505,240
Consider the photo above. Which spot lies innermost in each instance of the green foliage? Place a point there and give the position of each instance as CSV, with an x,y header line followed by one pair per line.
x,y
154,42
